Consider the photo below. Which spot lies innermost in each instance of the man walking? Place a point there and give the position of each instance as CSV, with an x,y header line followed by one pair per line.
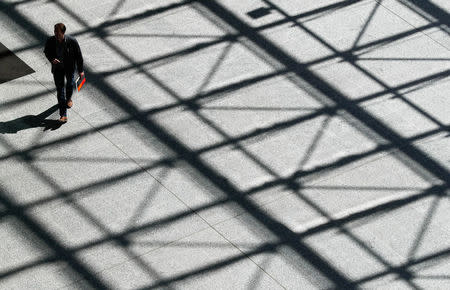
x,y
65,55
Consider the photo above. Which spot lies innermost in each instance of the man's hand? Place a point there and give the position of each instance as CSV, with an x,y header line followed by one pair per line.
x,y
81,74
56,61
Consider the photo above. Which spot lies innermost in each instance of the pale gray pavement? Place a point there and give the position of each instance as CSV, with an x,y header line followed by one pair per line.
x,y
230,144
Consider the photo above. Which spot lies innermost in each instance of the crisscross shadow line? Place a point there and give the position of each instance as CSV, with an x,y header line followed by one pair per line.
x,y
51,242
431,9
327,90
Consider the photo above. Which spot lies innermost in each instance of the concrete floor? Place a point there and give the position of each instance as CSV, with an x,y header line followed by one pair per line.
x,y
229,145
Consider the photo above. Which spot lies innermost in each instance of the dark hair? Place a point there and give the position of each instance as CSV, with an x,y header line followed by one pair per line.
x,y
61,27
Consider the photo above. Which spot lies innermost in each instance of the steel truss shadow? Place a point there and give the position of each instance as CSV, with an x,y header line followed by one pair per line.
x,y
314,263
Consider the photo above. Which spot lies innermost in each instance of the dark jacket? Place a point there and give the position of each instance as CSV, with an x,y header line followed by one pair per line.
x,y
72,53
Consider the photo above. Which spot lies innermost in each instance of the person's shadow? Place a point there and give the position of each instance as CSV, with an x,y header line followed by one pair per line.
x,y
31,121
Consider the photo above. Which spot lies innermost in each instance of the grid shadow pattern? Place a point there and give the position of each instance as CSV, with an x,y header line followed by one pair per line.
x,y
206,102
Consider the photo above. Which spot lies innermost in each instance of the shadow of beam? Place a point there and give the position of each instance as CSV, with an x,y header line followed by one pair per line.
x,y
330,92
192,158
249,135
259,249
431,9
51,242
444,254
320,267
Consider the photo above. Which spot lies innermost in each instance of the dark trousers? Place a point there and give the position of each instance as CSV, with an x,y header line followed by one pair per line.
x,y
64,93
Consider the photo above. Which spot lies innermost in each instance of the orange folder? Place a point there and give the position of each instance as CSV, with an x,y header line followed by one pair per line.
x,y
80,82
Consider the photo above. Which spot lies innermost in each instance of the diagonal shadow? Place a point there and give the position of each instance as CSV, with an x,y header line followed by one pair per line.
x,y
327,89
434,277
431,9
282,231
61,251
268,109
191,156
148,198
423,228
366,24
254,281
413,85
330,92
261,248
161,35
401,59
315,142
43,234
408,149
215,67
117,7
441,255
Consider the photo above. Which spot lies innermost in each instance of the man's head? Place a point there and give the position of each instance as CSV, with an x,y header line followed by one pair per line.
x,y
60,29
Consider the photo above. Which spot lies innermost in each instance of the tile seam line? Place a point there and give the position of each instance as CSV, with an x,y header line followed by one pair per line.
x,y
141,255
352,62
202,167
130,158
325,176
243,33
164,186
147,112
53,244
313,258
330,92
320,178
209,225
156,179
261,205
412,25
232,245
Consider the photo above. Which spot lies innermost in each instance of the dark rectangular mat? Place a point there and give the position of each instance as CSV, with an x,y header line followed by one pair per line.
x,y
11,67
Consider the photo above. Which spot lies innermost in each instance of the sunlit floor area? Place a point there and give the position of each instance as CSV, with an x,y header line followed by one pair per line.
x,y
225,144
